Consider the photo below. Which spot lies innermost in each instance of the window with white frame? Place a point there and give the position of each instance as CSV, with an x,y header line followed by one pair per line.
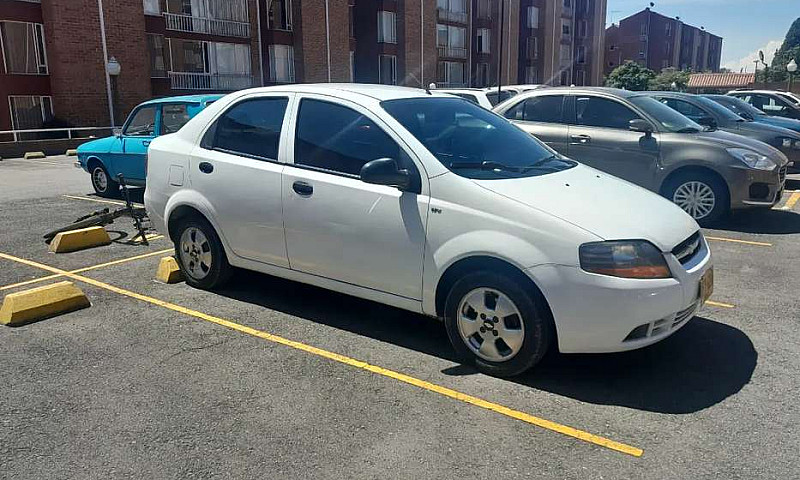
x,y
152,7
566,27
158,57
23,48
215,58
581,55
450,73
387,30
456,6
233,10
387,69
484,40
580,77
279,15
29,111
533,17
281,63
451,36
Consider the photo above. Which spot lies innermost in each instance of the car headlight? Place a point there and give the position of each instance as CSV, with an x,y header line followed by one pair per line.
x,y
624,258
752,159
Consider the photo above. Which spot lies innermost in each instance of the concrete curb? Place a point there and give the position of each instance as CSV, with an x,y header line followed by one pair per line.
x,y
34,155
71,153
36,304
83,238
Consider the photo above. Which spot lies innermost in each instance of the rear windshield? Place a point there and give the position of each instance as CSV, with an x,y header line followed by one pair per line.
x,y
474,142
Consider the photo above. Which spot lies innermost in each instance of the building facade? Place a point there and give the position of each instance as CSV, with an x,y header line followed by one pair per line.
x,y
658,42
89,62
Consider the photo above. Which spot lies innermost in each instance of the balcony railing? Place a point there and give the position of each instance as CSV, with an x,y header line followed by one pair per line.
x,y
449,16
210,26
452,52
210,81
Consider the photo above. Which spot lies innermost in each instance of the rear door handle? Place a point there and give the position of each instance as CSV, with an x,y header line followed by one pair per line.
x,y
206,167
580,138
303,189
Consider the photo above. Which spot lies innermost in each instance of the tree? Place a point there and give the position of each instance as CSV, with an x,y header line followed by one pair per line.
x,y
630,76
788,51
668,76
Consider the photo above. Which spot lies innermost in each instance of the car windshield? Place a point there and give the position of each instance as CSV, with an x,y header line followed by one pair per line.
x,y
722,112
738,106
474,142
794,100
668,119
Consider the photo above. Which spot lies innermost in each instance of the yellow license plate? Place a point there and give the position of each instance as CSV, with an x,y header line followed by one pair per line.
x,y
706,285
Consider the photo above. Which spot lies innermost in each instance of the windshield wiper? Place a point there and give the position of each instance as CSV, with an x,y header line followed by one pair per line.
x,y
485,165
538,163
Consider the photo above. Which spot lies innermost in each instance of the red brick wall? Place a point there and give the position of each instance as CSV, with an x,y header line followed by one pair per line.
x,y
419,48
311,43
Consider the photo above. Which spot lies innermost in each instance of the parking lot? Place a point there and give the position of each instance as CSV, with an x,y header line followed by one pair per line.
x,y
272,378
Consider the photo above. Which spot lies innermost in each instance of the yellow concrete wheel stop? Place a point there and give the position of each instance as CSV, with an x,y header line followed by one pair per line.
x,y
39,303
71,152
79,239
33,155
168,271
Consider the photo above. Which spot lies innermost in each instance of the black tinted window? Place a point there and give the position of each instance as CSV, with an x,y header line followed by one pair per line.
x,y
467,96
684,108
339,139
494,98
173,117
601,112
547,109
252,127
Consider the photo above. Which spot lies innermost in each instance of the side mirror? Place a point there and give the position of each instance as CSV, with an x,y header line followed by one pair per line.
x,y
384,171
640,125
117,132
708,122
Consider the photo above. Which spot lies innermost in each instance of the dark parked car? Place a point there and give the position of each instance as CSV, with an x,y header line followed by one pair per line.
x,y
634,136
749,112
712,115
772,103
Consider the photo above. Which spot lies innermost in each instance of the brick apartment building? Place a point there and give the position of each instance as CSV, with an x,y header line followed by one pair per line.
x,y
659,42
58,67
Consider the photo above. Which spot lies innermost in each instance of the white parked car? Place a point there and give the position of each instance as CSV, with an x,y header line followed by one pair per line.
x,y
474,95
431,204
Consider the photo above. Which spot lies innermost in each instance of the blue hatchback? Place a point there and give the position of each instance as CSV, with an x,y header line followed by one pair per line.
x,y
125,153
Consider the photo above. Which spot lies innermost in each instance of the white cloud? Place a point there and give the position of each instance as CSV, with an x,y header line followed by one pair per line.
x,y
748,63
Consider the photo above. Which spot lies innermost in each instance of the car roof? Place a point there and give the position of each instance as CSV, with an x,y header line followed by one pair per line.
x,y
768,92
460,90
578,90
184,99
375,91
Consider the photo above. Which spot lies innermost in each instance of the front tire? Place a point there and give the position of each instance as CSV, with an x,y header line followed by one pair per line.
x,y
701,195
200,254
102,182
495,324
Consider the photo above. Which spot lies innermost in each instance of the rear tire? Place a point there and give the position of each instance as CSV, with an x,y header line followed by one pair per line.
x,y
488,307
102,182
200,254
702,195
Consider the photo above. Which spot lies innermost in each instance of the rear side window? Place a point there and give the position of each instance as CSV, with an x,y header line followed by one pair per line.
x,y
252,127
339,139
601,112
173,117
547,109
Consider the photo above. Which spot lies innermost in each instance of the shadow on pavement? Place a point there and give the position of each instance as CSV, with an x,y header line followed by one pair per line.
x,y
699,366
774,221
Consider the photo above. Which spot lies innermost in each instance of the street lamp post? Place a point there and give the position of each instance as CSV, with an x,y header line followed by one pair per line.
x,y
791,68
113,68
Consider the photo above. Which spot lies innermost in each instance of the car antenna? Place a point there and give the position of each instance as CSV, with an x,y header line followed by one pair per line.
x,y
429,87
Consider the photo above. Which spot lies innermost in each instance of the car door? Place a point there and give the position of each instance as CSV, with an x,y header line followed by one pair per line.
x,y
238,167
339,227
599,136
137,134
543,117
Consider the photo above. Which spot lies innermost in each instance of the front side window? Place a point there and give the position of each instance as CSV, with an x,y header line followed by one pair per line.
x,y
602,112
546,109
338,139
387,32
667,118
173,117
684,108
473,142
252,127
23,48
142,124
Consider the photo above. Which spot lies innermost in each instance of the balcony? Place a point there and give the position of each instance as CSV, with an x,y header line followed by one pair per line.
x,y
448,16
209,26
452,52
210,81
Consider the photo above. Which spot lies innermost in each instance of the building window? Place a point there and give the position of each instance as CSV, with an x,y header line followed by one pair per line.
x,y
387,32
567,4
455,6
387,69
484,39
450,73
533,17
352,66
612,47
532,48
583,28
281,63
232,10
668,29
585,5
279,16
566,27
641,53
484,9
152,7
580,77
531,75
581,56
644,29
451,41
482,75
29,112
566,56
158,62
23,48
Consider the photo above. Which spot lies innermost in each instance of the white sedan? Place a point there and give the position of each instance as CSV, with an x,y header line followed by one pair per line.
x,y
431,204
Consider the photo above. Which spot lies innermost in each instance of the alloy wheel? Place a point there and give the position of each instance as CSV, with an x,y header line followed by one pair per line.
x,y
695,198
100,179
195,253
490,325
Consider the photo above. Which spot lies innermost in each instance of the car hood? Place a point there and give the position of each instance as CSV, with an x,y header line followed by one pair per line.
x,y
101,145
602,204
789,123
732,140
762,130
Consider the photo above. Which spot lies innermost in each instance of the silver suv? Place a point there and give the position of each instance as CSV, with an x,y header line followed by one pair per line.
x,y
636,137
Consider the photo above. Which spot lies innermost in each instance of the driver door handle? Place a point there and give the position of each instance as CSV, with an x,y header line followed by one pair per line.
x,y
146,143
303,189
580,139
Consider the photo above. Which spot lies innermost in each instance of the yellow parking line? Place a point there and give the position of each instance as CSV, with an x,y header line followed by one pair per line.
x,y
447,392
734,240
792,201
86,269
719,304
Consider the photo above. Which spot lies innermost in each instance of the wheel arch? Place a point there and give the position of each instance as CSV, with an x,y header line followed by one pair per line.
x,y
94,160
692,169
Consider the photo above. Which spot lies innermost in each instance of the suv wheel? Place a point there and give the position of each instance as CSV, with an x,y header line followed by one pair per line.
x,y
701,195
495,324
102,182
200,254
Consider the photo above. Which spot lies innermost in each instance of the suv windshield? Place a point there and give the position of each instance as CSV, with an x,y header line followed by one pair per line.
x,y
473,142
668,119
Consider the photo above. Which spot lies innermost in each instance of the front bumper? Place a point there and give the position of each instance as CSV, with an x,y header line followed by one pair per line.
x,y
597,313
751,188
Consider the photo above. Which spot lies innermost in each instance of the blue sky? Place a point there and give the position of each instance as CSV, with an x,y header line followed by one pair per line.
x,y
745,25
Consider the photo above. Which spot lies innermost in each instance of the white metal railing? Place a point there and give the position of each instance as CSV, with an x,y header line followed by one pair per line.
x,y
447,15
452,52
210,81
69,133
211,26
